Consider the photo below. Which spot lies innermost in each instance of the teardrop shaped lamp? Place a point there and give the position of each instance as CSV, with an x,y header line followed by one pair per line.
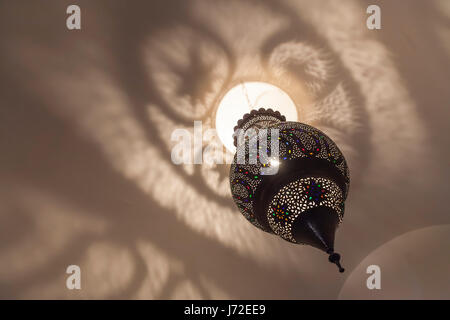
x,y
303,201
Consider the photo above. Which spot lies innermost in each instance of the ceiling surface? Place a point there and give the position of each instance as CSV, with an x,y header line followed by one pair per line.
x,y
86,176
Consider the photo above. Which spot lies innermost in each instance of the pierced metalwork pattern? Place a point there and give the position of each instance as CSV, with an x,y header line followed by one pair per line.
x,y
297,197
244,180
296,140
301,140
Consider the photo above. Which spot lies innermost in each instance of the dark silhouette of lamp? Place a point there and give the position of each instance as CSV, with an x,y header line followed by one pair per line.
x,y
297,194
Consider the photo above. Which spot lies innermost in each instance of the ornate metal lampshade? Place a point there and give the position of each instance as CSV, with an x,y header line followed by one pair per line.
x,y
298,190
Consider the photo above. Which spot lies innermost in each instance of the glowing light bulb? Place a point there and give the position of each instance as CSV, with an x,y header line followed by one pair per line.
x,y
274,162
245,97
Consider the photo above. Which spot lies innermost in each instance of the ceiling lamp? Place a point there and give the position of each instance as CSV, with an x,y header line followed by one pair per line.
x,y
297,188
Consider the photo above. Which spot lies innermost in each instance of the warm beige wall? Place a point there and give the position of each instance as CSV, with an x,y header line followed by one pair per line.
x,y
85,123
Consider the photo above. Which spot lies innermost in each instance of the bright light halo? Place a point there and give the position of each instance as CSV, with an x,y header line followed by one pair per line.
x,y
245,97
